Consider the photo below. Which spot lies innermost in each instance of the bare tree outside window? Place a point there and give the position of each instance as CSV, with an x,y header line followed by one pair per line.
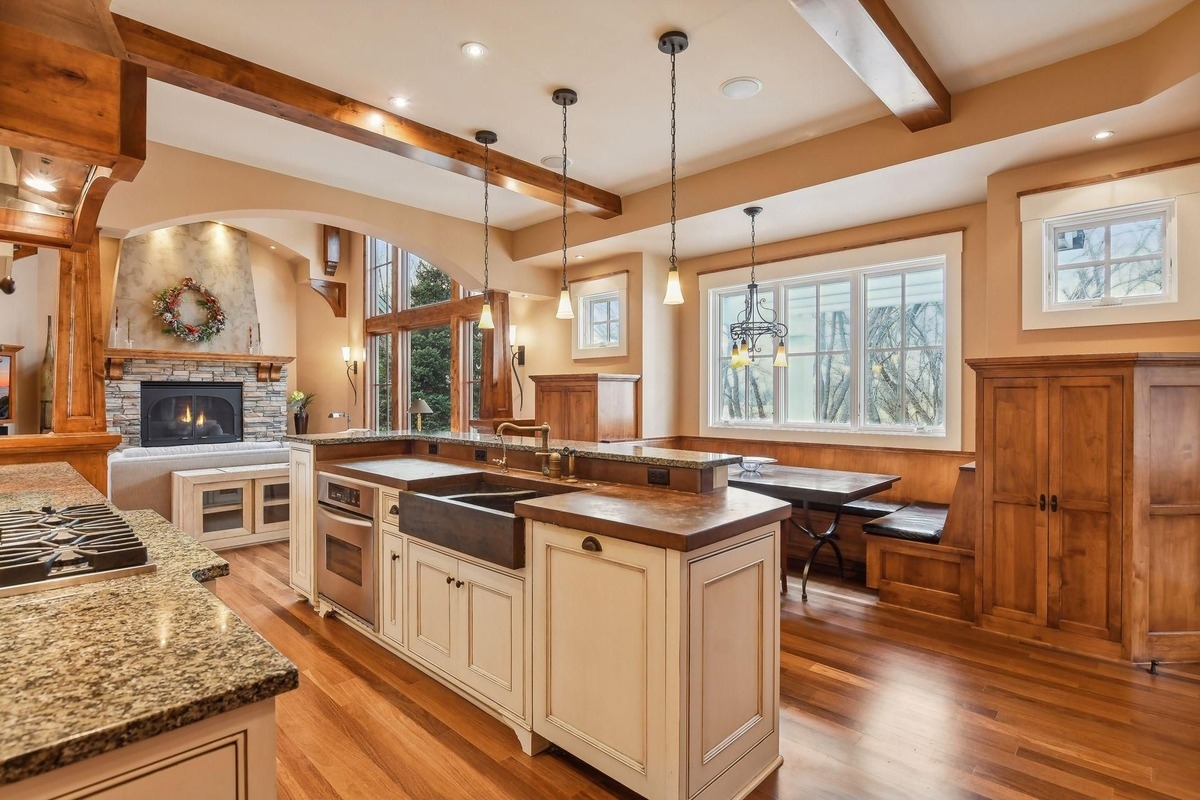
x,y
1102,261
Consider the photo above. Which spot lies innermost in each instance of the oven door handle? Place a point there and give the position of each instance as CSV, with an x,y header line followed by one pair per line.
x,y
346,519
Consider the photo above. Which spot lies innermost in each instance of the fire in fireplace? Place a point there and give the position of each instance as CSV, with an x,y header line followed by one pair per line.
x,y
178,412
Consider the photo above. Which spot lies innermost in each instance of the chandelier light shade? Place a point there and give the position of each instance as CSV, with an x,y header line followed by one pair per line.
x,y
756,320
672,43
564,98
487,139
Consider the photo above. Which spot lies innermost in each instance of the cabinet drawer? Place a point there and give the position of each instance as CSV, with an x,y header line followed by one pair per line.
x,y
389,510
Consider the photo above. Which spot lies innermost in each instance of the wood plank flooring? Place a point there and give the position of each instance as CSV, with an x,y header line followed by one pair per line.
x,y
877,704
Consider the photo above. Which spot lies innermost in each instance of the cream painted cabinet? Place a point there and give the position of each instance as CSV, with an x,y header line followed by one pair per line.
x,y
659,668
468,621
300,543
392,588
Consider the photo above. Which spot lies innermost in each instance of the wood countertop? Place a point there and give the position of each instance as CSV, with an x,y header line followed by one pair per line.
x,y
658,517
397,472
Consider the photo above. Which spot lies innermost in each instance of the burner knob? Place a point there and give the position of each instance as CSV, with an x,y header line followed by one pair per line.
x,y
47,509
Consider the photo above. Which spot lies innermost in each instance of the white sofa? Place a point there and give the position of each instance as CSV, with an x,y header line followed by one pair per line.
x,y
140,477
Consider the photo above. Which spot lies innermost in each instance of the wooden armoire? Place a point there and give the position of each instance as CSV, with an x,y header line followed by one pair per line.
x,y
1089,475
588,407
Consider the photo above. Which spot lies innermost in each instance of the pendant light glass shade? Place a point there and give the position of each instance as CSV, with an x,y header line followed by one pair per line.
x,y
674,293
565,307
673,43
485,316
780,355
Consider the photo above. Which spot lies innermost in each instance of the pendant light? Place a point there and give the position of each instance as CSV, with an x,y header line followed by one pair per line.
x,y
564,98
672,43
487,139
756,320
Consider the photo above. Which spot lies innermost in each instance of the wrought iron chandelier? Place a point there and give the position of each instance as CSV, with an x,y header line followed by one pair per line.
x,y
757,319
487,139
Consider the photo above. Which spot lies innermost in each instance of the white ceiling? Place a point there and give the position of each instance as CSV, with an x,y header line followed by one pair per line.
x,y
373,49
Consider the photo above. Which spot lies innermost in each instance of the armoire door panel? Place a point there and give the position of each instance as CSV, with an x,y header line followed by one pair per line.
x,y
1017,430
1016,559
1080,596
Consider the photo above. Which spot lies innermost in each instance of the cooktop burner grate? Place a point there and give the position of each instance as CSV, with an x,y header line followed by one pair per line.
x,y
47,547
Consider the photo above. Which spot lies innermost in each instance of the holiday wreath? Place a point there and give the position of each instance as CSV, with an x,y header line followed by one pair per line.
x,y
166,307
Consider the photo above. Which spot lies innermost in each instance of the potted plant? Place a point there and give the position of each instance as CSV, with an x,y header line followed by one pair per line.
x,y
299,401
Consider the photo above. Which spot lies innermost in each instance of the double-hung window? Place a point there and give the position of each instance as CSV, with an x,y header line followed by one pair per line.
x,y
867,349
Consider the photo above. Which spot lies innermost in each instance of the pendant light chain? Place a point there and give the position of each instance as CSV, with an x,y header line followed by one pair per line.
x,y
564,197
753,260
674,261
486,150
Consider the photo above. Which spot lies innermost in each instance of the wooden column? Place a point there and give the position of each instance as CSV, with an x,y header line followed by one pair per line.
x,y
79,371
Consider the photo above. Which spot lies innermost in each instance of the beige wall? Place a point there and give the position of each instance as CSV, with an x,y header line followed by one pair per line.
x,y
23,322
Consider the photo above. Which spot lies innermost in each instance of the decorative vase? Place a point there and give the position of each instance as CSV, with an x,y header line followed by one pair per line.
x,y
301,420
47,388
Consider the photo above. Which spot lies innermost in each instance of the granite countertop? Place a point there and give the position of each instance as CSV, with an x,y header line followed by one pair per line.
x,y
87,669
612,451
658,517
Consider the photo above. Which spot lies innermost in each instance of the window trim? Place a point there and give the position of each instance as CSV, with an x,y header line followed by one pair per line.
x,y
871,259
584,290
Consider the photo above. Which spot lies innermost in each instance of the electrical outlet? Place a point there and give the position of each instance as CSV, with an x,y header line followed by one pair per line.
x,y
480,454
657,476
433,448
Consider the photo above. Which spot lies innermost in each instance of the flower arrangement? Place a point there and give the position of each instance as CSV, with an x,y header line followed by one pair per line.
x,y
298,401
166,308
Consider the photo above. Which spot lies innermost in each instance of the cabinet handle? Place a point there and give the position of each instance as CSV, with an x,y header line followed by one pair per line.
x,y
1054,502
394,511
395,556
458,584
1041,502
592,544
449,579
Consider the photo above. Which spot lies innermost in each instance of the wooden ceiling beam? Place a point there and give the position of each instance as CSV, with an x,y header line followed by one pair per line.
x,y
873,43
199,68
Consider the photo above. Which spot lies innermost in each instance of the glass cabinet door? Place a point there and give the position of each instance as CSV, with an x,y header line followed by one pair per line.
x,y
224,510
273,504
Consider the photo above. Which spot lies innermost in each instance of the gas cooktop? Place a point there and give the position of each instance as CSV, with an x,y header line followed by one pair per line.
x,y
47,548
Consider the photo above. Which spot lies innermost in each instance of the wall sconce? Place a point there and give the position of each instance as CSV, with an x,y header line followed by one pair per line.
x,y
518,360
351,366
419,407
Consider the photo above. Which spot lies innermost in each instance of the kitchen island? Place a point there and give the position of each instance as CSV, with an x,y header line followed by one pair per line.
x,y
634,626
148,683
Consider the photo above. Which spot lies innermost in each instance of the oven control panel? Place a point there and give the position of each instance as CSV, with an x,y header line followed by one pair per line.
x,y
345,494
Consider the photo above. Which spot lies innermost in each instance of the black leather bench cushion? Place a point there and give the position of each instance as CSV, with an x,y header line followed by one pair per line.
x,y
919,522
865,507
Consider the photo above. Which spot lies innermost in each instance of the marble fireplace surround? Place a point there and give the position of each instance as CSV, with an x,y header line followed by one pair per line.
x,y
263,379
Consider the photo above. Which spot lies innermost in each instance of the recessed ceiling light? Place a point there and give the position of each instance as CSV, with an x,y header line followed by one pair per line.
x,y
1102,135
474,50
272,247
555,162
579,258
398,101
741,88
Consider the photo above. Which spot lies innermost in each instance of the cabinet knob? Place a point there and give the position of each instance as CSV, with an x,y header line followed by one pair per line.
x,y
458,584
394,511
592,544
1041,502
449,579
395,556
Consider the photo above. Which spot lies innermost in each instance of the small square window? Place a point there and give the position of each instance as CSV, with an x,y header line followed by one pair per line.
x,y
600,326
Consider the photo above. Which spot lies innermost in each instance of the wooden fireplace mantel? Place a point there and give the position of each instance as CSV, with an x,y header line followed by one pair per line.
x,y
269,367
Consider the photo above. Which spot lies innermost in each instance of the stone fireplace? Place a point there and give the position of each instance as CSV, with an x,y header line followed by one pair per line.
x,y
263,406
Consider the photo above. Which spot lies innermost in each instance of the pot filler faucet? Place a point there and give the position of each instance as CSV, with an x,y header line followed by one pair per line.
x,y
551,461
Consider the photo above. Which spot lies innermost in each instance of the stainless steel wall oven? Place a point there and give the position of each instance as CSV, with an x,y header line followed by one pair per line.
x,y
345,522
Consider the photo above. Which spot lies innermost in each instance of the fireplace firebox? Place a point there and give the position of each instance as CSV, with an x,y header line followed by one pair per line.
x,y
178,412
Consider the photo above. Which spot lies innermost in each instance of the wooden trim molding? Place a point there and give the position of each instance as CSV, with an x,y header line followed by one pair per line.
x,y
269,367
334,293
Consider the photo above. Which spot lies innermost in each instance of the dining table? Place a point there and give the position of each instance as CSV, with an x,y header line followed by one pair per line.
x,y
805,487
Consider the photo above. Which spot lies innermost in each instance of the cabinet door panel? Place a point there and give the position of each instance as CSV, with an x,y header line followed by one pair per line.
x,y
1086,424
392,569
1014,528
300,544
492,620
599,653
732,684
431,595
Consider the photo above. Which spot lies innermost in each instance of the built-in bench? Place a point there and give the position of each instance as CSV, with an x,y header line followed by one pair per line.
x,y
922,557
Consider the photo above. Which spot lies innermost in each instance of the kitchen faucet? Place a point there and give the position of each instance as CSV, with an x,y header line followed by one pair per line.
x,y
551,461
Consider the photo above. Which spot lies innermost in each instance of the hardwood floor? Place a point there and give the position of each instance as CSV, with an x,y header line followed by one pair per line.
x,y
876,704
